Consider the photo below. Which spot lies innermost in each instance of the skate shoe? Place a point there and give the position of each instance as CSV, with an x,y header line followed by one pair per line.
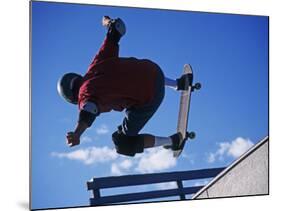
x,y
184,81
176,142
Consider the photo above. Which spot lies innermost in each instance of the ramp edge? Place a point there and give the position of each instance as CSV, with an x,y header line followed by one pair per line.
x,y
232,165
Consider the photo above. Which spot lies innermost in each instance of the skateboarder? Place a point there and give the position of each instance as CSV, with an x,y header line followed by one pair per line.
x,y
117,83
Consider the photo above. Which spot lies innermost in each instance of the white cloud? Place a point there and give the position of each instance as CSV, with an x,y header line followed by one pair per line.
x,y
126,164
122,167
201,183
167,185
155,159
232,149
89,155
223,148
86,139
152,160
239,146
102,130
211,158
115,169
189,157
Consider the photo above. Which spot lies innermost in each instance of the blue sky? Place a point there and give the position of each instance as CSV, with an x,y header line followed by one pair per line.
x,y
229,56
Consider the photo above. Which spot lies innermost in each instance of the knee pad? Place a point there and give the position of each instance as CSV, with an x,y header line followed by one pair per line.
x,y
127,145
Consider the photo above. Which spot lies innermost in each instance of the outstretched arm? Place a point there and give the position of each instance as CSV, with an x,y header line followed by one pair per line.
x,y
73,138
110,47
87,116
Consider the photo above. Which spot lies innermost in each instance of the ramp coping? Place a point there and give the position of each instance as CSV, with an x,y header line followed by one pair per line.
x,y
232,165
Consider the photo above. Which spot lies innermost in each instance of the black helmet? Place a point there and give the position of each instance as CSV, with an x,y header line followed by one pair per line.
x,y
68,87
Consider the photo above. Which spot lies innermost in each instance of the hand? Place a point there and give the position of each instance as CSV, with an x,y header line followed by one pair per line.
x,y
106,21
73,139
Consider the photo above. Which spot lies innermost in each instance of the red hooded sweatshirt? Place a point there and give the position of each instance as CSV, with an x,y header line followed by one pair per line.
x,y
115,83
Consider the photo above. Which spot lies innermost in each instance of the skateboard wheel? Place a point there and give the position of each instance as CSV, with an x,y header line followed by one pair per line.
x,y
197,86
191,135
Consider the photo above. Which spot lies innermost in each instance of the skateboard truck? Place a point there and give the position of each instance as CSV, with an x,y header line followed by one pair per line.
x,y
191,135
196,86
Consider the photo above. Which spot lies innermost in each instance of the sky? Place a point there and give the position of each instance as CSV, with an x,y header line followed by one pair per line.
x,y
229,57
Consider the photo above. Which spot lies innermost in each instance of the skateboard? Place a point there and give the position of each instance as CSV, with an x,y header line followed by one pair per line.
x,y
184,110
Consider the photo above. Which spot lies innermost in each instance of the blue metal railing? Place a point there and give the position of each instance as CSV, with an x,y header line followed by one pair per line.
x,y
96,184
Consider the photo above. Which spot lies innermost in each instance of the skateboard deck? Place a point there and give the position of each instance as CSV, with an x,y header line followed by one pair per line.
x,y
184,111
